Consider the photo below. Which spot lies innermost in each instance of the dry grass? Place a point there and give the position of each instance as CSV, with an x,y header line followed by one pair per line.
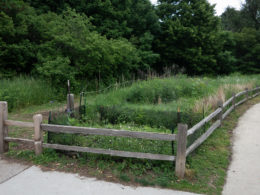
x,y
211,102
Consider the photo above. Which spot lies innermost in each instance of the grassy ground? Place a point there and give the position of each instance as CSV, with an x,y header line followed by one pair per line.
x,y
155,102
206,167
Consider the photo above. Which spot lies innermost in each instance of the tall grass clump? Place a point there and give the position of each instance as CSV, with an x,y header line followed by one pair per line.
x,y
166,90
22,91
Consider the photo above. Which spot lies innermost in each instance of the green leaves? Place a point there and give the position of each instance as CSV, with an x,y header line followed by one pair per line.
x,y
62,47
188,36
248,50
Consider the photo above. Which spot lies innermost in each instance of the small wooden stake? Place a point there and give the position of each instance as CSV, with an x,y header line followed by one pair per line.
x,y
159,100
70,102
181,151
38,135
220,115
4,147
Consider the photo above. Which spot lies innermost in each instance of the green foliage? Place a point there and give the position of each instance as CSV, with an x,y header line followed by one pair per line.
x,y
98,42
188,37
23,91
251,10
129,19
61,47
16,51
232,20
142,116
247,17
245,23
155,102
167,90
248,51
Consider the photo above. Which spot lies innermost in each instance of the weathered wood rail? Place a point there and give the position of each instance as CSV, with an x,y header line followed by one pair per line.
x,y
183,133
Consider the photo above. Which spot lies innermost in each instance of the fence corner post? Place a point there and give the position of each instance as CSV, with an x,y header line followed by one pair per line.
x,y
220,116
38,134
4,146
181,151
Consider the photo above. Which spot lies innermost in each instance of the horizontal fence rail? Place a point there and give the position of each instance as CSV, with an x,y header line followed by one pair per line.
x,y
240,102
204,121
240,93
19,140
18,123
202,138
111,152
181,137
228,102
107,132
228,111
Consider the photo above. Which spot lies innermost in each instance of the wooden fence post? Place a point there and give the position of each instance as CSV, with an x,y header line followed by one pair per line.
x,y
247,94
181,151
234,100
38,134
220,115
70,102
3,128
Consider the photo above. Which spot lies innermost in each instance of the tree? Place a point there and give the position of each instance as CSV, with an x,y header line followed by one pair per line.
x,y
245,23
251,10
232,20
247,17
248,50
61,46
134,20
226,57
17,52
188,37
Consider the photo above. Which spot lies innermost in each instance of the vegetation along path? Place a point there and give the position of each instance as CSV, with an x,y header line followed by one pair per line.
x,y
244,171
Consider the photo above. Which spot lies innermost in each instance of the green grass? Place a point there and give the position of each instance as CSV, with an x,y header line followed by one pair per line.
x,y
22,92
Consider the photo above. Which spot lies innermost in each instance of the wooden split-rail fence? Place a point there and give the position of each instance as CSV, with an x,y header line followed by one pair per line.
x,y
180,137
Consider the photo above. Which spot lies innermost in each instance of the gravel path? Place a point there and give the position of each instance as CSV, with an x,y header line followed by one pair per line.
x,y
244,171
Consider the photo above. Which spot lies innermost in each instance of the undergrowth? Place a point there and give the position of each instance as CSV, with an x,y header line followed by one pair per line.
x,y
22,92
155,102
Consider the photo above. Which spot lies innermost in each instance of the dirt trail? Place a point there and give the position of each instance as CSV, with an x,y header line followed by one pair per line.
x,y
244,170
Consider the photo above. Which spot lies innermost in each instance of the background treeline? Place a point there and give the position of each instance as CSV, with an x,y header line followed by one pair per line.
x,y
98,42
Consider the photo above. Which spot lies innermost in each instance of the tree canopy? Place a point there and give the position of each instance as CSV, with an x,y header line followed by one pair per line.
x,y
104,40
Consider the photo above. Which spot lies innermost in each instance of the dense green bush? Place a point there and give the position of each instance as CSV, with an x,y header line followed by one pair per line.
x,y
152,118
